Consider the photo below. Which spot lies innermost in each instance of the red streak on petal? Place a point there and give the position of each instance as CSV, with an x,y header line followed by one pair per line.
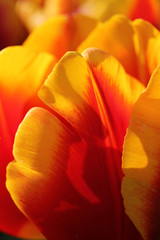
x,y
4,131
146,9
63,206
75,167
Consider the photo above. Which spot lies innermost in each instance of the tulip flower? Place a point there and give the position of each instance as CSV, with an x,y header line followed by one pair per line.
x,y
12,31
67,170
34,12
135,45
66,176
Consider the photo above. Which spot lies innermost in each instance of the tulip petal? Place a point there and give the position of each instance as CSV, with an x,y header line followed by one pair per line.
x,y
19,66
140,186
22,73
78,87
153,54
61,181
144,42
146,9
60,34
124,40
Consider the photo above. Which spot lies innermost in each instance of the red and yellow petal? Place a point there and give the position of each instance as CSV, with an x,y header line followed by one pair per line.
x,y
67,171
22,73
12,221
127,41
60,34
84,88
63,183
140,186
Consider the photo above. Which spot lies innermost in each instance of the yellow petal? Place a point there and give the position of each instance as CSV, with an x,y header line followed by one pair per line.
x,y
116,37
23,71
126,41
153,54
144,39
75,81
60,34
140,187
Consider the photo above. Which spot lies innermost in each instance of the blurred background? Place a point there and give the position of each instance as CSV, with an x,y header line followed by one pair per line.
x,y
19,17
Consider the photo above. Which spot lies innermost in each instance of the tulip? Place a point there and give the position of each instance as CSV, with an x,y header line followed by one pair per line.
x,y
66,174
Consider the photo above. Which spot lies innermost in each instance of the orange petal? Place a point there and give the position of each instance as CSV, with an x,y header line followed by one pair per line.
x,y
77,90
23,70
60,34
65,184
22,73
124,40
140,187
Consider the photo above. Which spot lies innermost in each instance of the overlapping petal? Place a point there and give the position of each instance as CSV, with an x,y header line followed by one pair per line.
x,y
128,41
135,44
67,170
22,73
71,89
140,187
60,34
